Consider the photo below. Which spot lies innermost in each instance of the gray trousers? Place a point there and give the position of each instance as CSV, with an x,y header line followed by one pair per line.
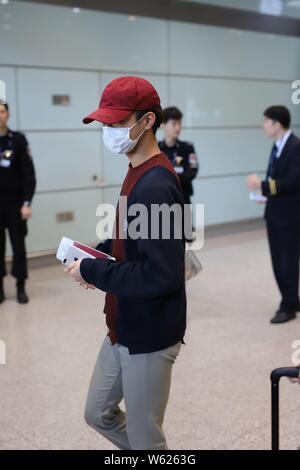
x,y
143,380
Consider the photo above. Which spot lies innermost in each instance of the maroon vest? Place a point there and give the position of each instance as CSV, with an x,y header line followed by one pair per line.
x,y
118,248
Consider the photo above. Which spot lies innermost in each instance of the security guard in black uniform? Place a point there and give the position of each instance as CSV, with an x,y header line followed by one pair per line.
x,y
181,154
17,186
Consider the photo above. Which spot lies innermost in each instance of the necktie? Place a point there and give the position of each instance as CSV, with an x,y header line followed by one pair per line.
x,y
272,160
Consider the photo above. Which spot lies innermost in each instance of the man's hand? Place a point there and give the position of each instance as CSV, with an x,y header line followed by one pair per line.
x,y
74,271
26,212
254,182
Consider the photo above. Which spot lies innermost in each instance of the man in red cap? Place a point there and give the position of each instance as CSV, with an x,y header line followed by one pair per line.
x,y
145,303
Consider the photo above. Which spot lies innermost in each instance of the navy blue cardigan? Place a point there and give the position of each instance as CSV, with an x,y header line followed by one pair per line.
x,y
150,284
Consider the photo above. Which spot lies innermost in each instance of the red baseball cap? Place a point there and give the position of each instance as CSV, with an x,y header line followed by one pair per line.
x,y
121,97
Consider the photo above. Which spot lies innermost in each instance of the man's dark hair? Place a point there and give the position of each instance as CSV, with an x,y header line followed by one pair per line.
x,y
157,110
171,113
3,103
280,114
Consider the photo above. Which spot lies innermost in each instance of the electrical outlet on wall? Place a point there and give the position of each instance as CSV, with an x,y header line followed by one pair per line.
x,y
65,217
61,100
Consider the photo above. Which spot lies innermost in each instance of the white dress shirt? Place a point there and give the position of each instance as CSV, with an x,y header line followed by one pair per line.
x,y
281,143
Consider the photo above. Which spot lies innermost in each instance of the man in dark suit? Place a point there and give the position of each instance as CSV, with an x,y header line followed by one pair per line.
x,y
281,187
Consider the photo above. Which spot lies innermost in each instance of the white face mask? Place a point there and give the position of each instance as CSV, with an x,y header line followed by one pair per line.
x,y
117,139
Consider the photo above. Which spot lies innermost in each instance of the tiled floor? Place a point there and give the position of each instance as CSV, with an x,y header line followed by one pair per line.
x,y
220,395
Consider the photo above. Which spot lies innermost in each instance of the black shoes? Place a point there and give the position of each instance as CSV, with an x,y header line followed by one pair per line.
x,y
282,317
22,297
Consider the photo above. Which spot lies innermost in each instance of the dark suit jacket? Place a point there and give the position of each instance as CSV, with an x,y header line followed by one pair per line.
x,y
283,209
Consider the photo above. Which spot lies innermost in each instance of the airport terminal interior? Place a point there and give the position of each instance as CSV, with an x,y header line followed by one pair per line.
x,y
222,63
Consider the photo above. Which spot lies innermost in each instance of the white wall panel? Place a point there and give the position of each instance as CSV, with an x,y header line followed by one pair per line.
x,y
225,200
206,50
36,88
218,102
44,35
65,160
111,195
115,167
44,231
227,151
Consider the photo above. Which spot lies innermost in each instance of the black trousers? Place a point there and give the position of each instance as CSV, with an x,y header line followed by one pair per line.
x,y
10,219
285,253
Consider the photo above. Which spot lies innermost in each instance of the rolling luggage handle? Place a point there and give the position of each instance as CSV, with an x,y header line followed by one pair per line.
x,y
292,373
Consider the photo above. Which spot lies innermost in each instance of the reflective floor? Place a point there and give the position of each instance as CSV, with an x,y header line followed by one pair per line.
x,y
220,395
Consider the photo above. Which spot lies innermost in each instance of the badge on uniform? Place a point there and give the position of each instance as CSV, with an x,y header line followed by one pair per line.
x,y
6,158
193,161
178,167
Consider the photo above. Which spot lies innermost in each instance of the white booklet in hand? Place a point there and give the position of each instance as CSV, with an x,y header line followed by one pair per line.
x,y
258,197
70,251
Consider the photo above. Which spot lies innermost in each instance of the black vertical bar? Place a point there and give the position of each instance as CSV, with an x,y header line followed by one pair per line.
x,y
275,415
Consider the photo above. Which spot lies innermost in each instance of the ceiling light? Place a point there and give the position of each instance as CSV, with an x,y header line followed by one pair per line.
x,y
271,7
